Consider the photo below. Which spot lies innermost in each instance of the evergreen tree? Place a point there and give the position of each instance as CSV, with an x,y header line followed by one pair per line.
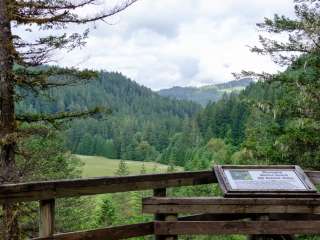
x,y
291,135
46,15
143,169
171,167
110,150
52,162
86,145
123,169
106,212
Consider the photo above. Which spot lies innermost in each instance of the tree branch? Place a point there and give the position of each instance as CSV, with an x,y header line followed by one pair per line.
x,y
52,118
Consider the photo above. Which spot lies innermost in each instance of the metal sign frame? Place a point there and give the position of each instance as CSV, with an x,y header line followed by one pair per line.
x,y
309,191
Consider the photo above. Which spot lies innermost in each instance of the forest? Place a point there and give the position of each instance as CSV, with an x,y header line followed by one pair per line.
x,y
260,124
55,113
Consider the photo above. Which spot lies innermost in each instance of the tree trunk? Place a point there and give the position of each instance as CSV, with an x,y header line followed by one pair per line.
x,y
7,120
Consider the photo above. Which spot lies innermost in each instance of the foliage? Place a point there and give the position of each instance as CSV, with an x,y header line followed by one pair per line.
x,y
48,153
122,169
139,127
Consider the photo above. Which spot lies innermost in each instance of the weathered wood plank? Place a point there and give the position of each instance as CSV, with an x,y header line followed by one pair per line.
x,y
171,218
47,209
193,209
111,233
227,206
229,201
252,216
237,227
69,188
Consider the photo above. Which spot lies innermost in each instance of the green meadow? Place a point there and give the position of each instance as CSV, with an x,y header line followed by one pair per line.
x,y
95,166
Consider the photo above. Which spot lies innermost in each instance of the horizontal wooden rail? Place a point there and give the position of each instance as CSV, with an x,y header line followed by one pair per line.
x,y
173,201
231,205
33,191
23,192
145,229
241,216
114,233
237,227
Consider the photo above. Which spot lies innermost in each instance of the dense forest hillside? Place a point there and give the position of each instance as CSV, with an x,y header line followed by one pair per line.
x,y
139,127
257,124
270,122
204,95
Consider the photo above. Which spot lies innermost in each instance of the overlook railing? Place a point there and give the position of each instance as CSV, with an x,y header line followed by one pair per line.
x,y
47,192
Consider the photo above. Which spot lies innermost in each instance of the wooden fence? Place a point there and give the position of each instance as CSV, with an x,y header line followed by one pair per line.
x,y
46,193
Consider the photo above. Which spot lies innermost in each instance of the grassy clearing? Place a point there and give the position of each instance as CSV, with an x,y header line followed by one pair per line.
x,y
100,166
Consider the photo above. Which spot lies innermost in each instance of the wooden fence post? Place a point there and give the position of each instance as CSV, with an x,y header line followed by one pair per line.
x,y
159,192
171,218
46,227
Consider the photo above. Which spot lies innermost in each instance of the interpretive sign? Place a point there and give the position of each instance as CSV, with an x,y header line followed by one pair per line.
x,y
263,180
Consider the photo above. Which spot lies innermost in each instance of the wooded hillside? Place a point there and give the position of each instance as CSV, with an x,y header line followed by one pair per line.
x,y
139,127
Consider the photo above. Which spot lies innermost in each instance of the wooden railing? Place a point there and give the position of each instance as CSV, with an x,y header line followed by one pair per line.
x,y
47,192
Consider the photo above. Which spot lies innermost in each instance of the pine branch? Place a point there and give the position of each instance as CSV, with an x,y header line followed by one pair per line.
x,y
49,15
37,79
67,16
101,16
53,6
63,116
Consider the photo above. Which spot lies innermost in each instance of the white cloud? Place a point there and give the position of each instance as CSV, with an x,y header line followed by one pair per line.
x,y
165,43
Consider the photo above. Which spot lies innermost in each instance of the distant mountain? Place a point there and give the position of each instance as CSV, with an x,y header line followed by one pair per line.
x,y
205,94
242,83
200,95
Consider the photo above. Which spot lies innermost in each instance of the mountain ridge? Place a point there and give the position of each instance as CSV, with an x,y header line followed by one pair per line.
x,y
205,94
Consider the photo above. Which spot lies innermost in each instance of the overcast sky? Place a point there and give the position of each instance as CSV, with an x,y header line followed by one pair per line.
x,y
165,43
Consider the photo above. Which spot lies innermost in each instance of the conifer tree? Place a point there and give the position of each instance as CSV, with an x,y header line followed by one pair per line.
x,y
143,169
297,111
300,51
19,59
171,167
123,169
106,213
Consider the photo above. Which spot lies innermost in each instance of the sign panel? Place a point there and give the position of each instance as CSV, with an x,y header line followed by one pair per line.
x,y
263,179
